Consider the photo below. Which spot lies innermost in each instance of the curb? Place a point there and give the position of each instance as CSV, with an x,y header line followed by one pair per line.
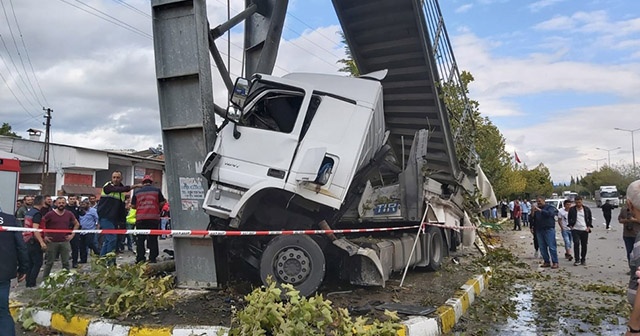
x,y
446,316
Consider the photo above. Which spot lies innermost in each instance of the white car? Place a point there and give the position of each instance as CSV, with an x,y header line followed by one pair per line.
x,y
557,203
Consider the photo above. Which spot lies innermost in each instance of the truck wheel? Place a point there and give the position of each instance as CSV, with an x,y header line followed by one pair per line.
x,y
436,249
296,260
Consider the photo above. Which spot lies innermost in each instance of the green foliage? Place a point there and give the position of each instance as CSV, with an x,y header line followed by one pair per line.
x,y
350,66
267,313
538,181
606,176
5,129
107,290
26,319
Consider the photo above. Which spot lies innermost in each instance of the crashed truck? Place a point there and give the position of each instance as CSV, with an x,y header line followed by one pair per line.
x,y
309,151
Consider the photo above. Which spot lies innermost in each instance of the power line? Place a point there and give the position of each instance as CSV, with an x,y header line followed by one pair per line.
x,y
33,91
304,23
115,19
18,72
301,48
26,51
132,8
14,95
133,30
241,48
15,124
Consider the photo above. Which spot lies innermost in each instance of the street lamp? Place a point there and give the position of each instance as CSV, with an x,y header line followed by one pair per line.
x,y
608,154
597,160
633,150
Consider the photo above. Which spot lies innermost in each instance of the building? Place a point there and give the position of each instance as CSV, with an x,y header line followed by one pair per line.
x,y
75,170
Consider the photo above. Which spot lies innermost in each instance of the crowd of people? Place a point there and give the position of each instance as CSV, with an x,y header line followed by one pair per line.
x,y
24,253
575,222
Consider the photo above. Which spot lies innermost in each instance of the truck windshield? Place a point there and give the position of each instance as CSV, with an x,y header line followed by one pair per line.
x,y
273,107
608,194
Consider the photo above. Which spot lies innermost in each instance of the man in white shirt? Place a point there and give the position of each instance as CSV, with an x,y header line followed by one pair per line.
x,y
580,222
512,206
567,236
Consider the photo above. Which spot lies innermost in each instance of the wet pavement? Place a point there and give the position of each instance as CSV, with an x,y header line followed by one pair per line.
x,y
606,265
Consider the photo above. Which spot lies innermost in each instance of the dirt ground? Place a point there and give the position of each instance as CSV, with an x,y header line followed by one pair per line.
x,y
421,288
214,307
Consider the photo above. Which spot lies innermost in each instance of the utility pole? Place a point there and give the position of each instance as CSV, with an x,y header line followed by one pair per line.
x,y
633,149
45,157
596,161
608,153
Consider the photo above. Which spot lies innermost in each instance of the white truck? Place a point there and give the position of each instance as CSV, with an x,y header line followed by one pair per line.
x,y
310,151
607,193
315,151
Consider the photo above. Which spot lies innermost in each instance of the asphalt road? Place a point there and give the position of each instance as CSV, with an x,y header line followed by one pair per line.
x,y
605,263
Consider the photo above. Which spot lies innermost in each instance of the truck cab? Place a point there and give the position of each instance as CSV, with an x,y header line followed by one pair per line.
x,y
607,193
303,134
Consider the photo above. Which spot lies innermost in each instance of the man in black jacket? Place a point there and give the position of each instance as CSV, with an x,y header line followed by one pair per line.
x,y
607,208
77,211
15,262
581,223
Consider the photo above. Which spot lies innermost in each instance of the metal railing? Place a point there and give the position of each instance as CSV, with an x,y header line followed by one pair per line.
x,y
452,90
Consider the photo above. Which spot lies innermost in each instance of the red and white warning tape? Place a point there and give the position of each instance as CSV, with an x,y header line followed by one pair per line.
x,y
228,233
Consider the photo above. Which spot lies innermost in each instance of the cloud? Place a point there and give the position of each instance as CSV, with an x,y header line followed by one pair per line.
x,y
556,23
464,8
538,5
100,78
567,137
500,77
566,142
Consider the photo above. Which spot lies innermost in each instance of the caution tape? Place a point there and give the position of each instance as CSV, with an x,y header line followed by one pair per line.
x,y
200,233
451,227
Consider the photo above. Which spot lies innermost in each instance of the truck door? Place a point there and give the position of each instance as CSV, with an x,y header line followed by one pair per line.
x,y
265,137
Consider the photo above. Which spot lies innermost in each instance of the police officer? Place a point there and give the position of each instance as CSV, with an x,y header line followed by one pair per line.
x,y
15,263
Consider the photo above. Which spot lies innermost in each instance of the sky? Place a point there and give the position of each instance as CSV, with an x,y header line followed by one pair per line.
x,y
556,76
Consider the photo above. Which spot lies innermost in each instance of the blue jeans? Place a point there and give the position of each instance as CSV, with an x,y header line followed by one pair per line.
x,y
110,240
163,225
547,241
7,326
568,239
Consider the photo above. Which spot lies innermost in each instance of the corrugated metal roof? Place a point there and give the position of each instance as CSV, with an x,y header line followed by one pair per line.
x,y
9,155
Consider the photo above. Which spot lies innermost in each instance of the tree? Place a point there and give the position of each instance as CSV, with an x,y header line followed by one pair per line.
x,y
538,181
5,129
350,66
605,176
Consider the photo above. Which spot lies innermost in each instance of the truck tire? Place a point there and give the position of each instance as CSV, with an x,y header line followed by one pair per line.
x,y
296,260
436,248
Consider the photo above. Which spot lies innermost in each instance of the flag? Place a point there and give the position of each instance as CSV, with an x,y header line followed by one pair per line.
x,y
517,158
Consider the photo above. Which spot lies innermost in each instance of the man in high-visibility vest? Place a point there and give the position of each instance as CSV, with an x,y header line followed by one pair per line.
x,y
111,209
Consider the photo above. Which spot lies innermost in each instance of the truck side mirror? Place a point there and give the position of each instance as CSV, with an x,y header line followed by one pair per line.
x,y
240,92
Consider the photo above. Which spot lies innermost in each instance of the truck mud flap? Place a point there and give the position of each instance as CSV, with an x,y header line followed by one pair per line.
x,y
363,264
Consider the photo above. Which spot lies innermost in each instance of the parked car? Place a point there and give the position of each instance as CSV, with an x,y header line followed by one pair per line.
x,y
557,203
